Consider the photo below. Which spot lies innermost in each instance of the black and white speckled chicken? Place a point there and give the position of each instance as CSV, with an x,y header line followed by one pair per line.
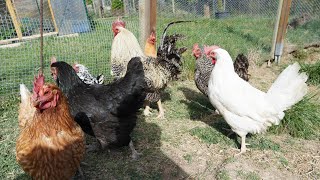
x,y
204,66
159,69
83,73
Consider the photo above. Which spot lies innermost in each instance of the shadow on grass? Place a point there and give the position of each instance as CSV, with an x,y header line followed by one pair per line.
x,y
152,164
165,96
200,109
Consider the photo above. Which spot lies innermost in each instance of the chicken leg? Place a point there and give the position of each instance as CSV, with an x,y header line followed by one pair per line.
x,y
135,155
147,108
243,148
161,110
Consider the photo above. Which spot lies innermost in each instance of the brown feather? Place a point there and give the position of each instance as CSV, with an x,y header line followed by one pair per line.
x,y
51,145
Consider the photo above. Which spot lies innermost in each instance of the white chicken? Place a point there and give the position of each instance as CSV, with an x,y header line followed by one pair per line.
x,y
247,109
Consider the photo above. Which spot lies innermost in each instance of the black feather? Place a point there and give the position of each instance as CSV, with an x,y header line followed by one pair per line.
x,y
110,109
165,31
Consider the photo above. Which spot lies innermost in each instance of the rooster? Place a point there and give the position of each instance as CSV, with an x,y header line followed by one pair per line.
x,y
245,108
159,68
124,47
51,143
204,66
107,112
85,76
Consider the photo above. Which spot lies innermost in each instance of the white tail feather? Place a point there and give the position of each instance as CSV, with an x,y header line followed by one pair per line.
x,y
289,88
25,93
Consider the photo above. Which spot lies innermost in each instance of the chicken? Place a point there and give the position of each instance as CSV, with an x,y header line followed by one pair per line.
x,y
247,109
158,71
107,112
51,143
150,51
150,47
85,76
204,66
124,47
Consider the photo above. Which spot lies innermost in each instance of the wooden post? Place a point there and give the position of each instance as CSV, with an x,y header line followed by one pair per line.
x,y
14,19
173,7
153,16
148,15
126,7
281,28
53,18
206,11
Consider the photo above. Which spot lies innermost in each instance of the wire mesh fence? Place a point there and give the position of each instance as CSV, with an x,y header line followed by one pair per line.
x,y
80,31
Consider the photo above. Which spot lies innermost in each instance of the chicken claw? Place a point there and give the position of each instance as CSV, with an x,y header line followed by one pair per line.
x,y
243,146
135,154
92,147
146,111
161,110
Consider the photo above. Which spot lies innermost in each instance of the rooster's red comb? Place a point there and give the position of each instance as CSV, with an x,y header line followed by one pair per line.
x,y
37,84
118,22
208,49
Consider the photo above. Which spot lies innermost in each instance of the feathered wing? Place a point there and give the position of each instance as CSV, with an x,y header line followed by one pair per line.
x,y
240,98
241,65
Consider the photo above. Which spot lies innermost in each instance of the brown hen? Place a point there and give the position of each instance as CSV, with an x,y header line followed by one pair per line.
x,y
51,143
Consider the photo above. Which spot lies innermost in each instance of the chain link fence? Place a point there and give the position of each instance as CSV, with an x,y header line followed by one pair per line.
x,y
80,31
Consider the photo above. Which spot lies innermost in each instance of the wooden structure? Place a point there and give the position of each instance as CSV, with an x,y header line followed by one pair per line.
x,y
280,29
17,24
148,19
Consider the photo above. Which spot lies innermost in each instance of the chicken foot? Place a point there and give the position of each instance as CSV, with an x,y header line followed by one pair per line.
x,y
93,147
161,110
243,148
147,109
135,155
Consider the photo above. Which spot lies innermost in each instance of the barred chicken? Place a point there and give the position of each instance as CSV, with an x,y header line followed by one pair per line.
x,y
158,71
205,65
83,73
50,144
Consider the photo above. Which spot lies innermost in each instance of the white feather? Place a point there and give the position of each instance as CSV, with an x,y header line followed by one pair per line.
x,y
24,93
124,47
247,109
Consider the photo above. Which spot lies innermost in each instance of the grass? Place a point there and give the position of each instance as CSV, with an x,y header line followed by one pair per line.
x,y
178,146
313,70
302,120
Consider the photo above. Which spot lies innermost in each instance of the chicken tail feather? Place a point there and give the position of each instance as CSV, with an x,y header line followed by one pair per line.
x,y
25,93
289,88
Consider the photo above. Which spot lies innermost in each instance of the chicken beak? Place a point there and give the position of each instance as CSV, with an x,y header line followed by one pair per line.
x,y
36,103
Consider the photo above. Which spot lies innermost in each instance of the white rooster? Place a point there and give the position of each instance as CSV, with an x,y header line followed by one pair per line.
x,y
247,109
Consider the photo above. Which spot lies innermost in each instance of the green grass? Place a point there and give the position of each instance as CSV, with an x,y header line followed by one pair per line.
x,y
313,70
237,35
223,175
302,120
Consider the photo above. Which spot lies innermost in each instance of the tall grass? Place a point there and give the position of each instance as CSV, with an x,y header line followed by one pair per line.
x,y
302,120
313,70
